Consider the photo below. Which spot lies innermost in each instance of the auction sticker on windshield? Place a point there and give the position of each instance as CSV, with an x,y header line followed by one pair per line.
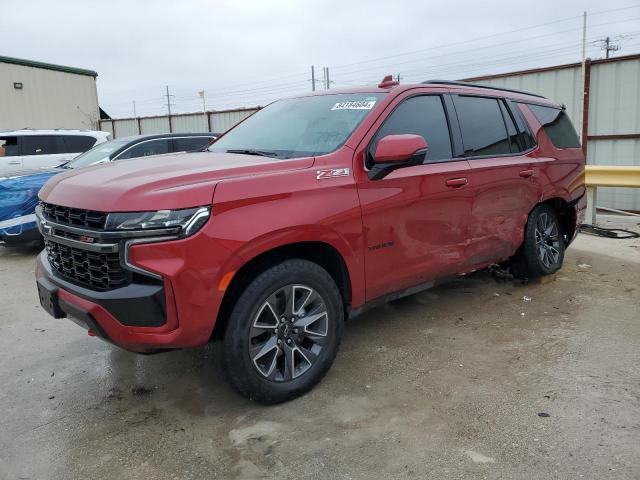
x,y
361,105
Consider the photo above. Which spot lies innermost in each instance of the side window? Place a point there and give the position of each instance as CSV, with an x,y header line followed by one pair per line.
x,y
557,125
523,128
190,144
41,145
10,145
482,127
514,138
144,149
425,116
78,143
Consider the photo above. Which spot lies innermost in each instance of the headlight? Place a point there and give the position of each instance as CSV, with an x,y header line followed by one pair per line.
x,y
186,221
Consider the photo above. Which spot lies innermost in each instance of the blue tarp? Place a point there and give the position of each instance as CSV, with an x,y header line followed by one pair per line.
x,y
18,200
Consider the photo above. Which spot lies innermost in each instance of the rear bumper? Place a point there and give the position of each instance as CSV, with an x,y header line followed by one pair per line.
x,y
580,208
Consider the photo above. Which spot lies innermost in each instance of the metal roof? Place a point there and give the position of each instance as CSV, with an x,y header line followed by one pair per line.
x,y
47,66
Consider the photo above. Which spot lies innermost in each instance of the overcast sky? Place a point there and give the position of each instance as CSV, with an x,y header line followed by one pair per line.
x,y
245,53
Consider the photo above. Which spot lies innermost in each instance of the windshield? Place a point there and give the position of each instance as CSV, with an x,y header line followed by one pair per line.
x,y
99,153
299,127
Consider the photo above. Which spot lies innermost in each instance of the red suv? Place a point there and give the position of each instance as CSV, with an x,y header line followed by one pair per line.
x,y
305,214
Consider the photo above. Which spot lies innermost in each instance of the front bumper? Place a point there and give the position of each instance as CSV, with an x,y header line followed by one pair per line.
x,y
124,316
20,230
171,301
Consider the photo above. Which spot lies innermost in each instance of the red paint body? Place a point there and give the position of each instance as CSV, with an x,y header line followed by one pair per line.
x,y
435,220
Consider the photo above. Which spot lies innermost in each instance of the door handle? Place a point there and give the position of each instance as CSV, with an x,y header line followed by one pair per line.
x,y
14,162
456,182
526,173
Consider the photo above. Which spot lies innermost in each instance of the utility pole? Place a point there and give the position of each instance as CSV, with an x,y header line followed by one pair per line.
x,y
313,79
204,100
398,78
134,109
169,109
584,38
608,45
327,81
168,100
584,73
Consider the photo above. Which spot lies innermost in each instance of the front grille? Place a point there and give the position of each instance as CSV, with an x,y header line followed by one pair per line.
x,y
74,216
100,271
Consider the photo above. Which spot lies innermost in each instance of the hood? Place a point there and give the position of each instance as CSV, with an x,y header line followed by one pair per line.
x,y
19,194
156,183
30,172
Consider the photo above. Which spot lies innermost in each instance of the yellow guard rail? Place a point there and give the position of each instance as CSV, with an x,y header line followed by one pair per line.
x,y
607,176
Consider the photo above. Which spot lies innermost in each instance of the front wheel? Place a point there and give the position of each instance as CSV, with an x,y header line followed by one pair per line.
x,y
283,332
542,251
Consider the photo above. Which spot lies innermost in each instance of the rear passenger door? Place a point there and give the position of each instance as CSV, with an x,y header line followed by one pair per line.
x,y
416,219
502,176
40,151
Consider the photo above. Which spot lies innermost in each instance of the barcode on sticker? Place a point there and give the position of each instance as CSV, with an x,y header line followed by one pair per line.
x,y
363,105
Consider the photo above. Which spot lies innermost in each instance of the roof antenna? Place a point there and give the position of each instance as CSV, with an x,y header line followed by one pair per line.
x,y
388,82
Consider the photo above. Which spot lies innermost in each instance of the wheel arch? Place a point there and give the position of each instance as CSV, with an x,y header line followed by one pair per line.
x,y
320,252
566,216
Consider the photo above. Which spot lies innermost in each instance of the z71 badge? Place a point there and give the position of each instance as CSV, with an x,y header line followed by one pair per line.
x,y
332,173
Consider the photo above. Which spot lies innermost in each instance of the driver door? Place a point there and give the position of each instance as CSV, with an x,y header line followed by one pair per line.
x,y
416,219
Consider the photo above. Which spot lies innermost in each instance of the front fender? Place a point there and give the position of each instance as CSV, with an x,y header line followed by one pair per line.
x,y
252,216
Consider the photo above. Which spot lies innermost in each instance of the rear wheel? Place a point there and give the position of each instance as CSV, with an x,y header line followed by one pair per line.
x,y
283,332
542,251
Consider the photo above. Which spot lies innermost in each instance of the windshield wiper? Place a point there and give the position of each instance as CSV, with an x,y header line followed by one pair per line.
x,y
249,151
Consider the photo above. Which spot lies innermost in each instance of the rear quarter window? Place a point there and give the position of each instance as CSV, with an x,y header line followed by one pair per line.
x,y
78,143
557,126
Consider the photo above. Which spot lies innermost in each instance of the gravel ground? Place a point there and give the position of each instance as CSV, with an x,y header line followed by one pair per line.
x,y
474,379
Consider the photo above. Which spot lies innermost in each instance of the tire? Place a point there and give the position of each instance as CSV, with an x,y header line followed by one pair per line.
x,y
270,360
542,251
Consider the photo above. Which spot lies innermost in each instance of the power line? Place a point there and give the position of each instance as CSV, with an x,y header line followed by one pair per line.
x,y
476,39
265,89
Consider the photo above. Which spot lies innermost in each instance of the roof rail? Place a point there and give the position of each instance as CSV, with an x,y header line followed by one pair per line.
x,y
476,85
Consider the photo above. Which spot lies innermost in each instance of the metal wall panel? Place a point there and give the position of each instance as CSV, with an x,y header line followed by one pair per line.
x,y
223,121
563,86
195,123
47,99
126,128
152,125
107,126
614,98
190,123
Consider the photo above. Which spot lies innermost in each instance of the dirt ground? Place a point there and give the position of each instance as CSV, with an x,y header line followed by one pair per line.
x,y
474,379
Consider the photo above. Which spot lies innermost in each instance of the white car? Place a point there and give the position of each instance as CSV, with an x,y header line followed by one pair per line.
x,y
33,149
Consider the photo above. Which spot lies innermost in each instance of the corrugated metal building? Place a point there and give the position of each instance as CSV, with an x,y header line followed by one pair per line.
x,y
217,121
43,95
605,109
